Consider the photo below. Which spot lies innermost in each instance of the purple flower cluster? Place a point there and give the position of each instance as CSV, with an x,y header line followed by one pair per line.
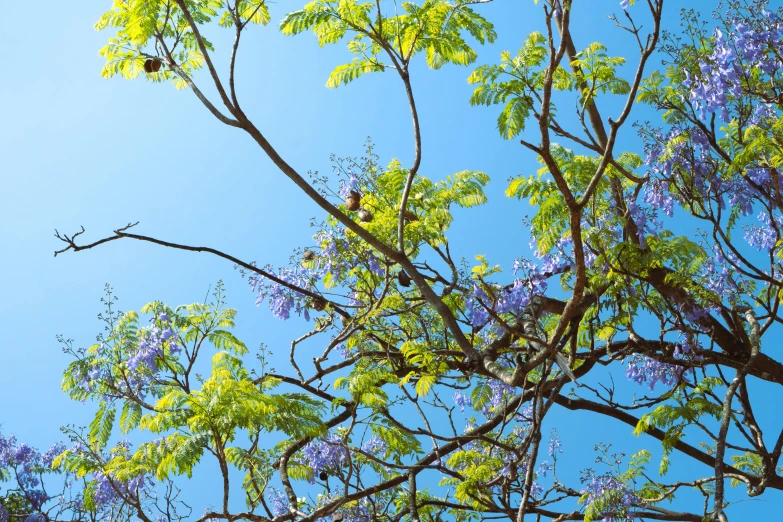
x,y
642,369
335,259
749,44
280,298
501,392
350,185
278,502
608,496
656,194
689,166
152,344
29,466
720,77
374,446
763,236
108,491
461,400
716,272
510,299
645,221
327,453
552,262
555,446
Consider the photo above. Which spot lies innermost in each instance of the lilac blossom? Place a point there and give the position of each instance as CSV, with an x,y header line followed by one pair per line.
x,y
613,498
152,344
642,369
325,453
278,502
461,400
743,48
763,237
656,194
108,491
555,446
335,259
374,446
350,185
717,275
29,468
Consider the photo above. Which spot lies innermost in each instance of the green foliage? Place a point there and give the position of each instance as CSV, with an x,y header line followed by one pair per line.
x,y
597,73
513,82
379,41
674,418
145,29
402,344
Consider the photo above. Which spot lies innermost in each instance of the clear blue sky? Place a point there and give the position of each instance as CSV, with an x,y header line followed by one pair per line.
x,y
81,150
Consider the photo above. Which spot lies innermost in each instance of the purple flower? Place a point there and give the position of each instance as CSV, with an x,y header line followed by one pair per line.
x,y
616,498
351,185
278,502
656,194
461,400
554,444
51,454
322,454
642,369
763,237
374,445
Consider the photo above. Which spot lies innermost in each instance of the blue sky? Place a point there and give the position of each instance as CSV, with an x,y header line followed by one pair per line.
x,y
81,150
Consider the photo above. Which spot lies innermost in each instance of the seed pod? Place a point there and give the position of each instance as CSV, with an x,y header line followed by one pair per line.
x,y
410,216
308,255
319,304
404,278
323,475
337,517
155,65
148,66
353,201
365,215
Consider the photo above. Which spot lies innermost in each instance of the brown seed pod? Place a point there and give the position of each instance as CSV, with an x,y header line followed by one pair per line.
x,y
308,255
155,65
404,278
353,201
365,215
337,517
319,304
410,216
323,475
148,66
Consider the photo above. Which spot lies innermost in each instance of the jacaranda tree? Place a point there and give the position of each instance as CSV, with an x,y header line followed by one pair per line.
x,y
427,399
